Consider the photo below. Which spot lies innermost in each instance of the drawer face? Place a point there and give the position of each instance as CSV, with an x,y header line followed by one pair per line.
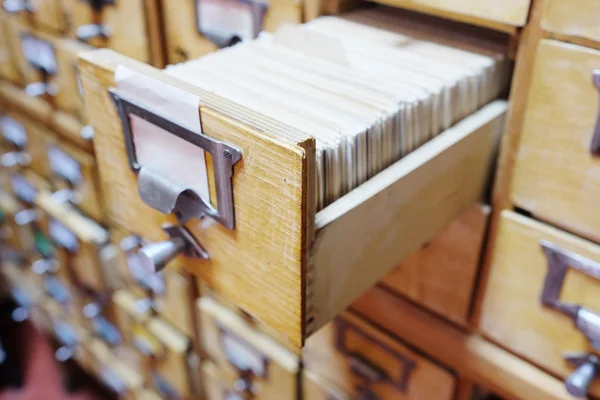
x,y
365,362
441,275
565,18
489,13
558,132
21,133
49,15
176,303
194,28
8,68
521,272
124,21
75,170
70,94
244,353
316,388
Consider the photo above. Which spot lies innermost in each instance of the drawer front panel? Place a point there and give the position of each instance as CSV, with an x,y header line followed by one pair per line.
x,y
555,173
70,94
441,275
490,13
540,294
8,68
363,361
246,354
194,28
122,26
569,20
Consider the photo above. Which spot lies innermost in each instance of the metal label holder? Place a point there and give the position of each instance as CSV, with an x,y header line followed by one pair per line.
x,y
167,196
258,10
586,321
41,55
364,368
595,144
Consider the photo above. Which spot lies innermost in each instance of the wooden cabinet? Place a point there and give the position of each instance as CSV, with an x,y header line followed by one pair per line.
x,y
441,275
555,172
541,295
269,266
45,15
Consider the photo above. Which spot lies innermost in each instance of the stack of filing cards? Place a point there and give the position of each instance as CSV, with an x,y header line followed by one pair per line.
x,y
369,86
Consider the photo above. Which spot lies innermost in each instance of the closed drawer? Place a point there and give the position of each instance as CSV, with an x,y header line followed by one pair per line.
x,y
75,172
46,15
175,302
8,67
80,240
194,28
24,142
540,298
557,133
566,20
256,363
503,16
130,27
441,275
363,361
268,265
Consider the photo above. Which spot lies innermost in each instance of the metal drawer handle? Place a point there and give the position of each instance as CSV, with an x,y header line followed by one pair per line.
x,y
15,159
154,257
88,32
38,89
17,6
586,321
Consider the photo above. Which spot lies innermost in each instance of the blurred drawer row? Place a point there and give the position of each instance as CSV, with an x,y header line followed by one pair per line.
x,y
136,27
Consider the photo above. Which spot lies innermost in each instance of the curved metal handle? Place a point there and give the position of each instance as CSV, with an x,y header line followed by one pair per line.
x,y
88,32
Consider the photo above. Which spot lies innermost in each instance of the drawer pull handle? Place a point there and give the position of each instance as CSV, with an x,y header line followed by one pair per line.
x,y
15,159
67,336
17,6
87,132
578,382
163,192
85,33
24,304
154,257
38,89
595,145
586,321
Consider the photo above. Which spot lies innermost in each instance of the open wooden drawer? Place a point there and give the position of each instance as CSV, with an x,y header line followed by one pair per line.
x,y
289,267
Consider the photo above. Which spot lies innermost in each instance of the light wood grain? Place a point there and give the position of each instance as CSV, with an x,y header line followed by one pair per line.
x,y
572,22
68,97
184,42
511,310
259,265
35,107
49,16
469,355
376,226
8,67
315,387
68,128
127,23
321,356
177,303
555,175
502,16
441,275
283,366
